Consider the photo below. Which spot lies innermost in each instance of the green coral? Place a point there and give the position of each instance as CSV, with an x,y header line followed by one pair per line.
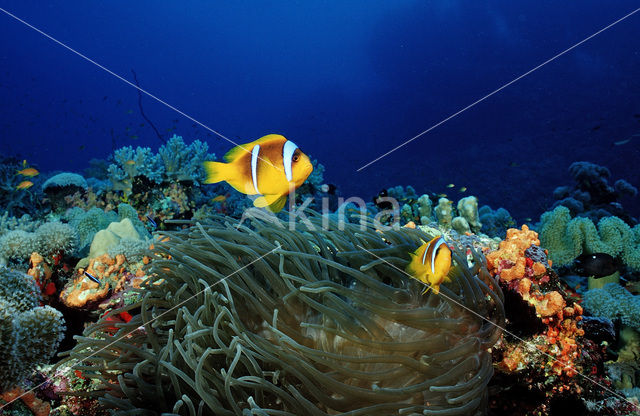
x,y
271,320
566,238
29,334
613,301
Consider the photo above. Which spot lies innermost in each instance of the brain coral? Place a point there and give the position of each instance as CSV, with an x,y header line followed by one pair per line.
x,y
268,320
29,334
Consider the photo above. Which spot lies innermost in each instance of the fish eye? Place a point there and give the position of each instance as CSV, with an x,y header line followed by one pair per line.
x,y
295,158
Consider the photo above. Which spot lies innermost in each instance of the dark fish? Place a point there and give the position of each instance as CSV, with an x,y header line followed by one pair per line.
x,y
92,277
595,128
596,264
381,202
152,222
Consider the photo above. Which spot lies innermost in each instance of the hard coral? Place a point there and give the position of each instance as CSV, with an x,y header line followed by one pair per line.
x,y
182,162
29,334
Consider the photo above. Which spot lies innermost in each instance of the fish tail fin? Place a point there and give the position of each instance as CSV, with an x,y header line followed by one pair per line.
x,y
216,171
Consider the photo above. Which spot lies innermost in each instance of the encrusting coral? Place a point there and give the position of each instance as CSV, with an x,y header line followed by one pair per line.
x,y
29,333
268,320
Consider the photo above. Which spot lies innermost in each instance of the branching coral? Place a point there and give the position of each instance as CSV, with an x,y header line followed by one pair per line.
x,y
182,162
29,334
129,163
268,320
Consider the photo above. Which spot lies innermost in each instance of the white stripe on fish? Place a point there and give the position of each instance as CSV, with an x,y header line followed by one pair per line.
x,y
287,158
254,166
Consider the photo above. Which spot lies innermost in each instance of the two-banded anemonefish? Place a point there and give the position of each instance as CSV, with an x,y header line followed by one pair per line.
x,y
270,167
431,263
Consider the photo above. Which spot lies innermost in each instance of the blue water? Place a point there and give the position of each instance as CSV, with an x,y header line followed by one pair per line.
x,y
346,80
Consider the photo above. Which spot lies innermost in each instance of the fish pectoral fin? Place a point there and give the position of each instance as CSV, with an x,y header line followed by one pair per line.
x,y
274,202
216,171
278,204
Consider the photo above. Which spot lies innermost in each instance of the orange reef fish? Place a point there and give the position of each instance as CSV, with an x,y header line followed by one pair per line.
x,y
270,167
24,185
431,263
29,172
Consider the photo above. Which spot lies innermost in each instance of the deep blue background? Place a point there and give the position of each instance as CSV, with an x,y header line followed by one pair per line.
x,y
346,80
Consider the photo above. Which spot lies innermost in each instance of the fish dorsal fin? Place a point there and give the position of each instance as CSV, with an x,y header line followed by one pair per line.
x,y
240,150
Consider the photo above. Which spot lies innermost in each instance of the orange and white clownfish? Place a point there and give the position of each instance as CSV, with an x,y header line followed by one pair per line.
x,y
431,263
270,167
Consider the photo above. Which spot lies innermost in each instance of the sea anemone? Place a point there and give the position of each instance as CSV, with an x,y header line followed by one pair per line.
x,y
263,319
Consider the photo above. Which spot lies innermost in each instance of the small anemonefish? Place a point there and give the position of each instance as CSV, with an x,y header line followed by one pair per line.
x,y
431,263
270,167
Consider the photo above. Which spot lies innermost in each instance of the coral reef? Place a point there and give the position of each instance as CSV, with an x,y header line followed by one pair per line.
x,y
65,179
613,301
48,239
29,333
592,196
495,222
566,238
182,162
175,161
267,320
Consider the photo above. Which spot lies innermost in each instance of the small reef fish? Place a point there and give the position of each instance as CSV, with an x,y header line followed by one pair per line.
x,y
269,167
130,162
450,185
431,263
24,185
219,198
28,172
441,195
92,277
463,189
596,265
151,221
